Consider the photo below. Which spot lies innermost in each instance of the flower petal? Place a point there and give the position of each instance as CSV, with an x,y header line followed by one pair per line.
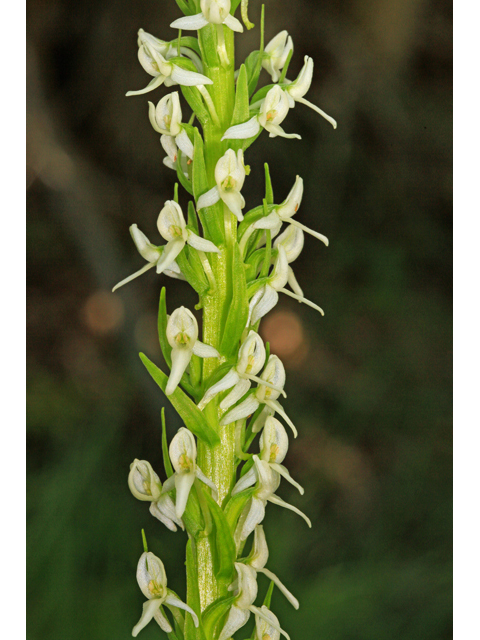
x,y
183,485
227,382
170,253
141,271
243,410
190,23
283,471
203,350
239,390
208,199
173,601
237,618
153,84
246,481
201,244
189,78
233,23
281,503
150,608
203,478
290,597
243,131
180,360
184,143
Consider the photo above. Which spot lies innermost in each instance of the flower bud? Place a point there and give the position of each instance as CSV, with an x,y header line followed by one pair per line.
x,y
276,53
291,204
273,441
143,482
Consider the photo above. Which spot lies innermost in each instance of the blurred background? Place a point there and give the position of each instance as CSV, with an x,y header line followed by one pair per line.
x,y
368,384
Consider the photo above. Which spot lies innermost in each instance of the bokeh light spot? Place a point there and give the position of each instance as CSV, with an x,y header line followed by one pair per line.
x,y
103,312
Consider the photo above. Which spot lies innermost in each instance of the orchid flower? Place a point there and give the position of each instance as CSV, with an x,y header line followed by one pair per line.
x,y
183,454
258,559
299,87
268,626
182,336
267,296
166,119
212,12
267,481
273,111
152,580
292,240
229,176
276,53
145,485
154,257
246,589
274,447
146,42
152,56
170,147
274,373
251,358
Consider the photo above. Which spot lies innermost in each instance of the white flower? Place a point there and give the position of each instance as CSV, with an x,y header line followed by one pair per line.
x,y
146,43
274,447
266,297
183,454
229,176
246,589
284,213
153,255
299,87
273,111
182,336
145,485
276,53
213,12
274,373
292,240
251,358
152,580
267,482
152,54
170,147
166,118
258,559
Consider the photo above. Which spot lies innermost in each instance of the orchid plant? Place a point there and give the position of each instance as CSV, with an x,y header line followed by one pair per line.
x,y
226,386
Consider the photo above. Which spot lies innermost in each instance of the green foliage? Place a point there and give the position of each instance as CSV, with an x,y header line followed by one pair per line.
x,y
238,309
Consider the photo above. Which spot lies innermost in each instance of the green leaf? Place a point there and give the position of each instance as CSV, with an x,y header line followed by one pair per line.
x,y
166,458
261,94
192,268
268,596
186,409
209,217
193,596
224,544
184,6
268,185
241,109
238,310
192,220
162,328
214,613
189,41
236,505
254,264
184,181
194,98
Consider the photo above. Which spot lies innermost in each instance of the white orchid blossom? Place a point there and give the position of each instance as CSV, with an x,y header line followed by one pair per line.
x,y
251,358
273,111
166,119
276,53
246,589
274,447
152,55
182,336
274,373
183,454
152,580
229,176
284,213
212,12
267,482
170,147
145,485
258,559
292,240
299,87
146,43
154,257
266,297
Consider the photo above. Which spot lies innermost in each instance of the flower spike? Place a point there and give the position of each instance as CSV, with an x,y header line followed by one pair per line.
x,y
183,454
152,580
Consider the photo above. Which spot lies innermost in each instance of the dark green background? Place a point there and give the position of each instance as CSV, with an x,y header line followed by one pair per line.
x,y
369,384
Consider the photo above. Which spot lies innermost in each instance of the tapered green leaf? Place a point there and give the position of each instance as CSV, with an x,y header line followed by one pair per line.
x,y
214,614
184,181
238,311
192,217
268,596
184,6
241,112
192,269
268,185
186,409
193,596
162,328
253,71
166,458
261,94
254,264
194,98
209,217
225,552
236,505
